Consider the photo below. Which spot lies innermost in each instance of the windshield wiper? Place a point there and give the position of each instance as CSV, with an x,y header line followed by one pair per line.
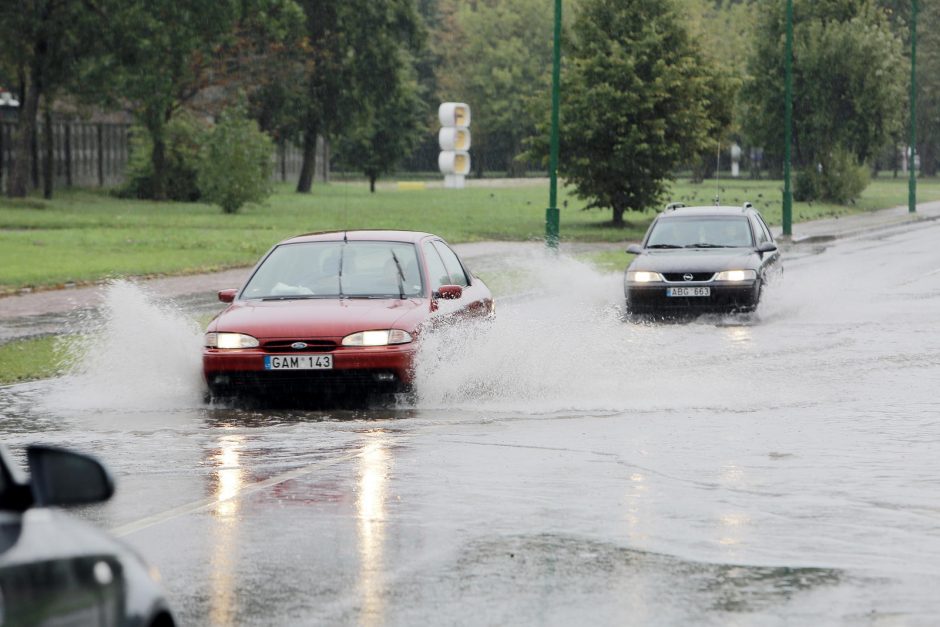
x,y
664,246
706,245
401,277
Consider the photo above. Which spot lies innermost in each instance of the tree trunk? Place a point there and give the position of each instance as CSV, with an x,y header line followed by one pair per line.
x,y
158,164
156,122
48,169
372,178
618,216
928,159
18,185
309,161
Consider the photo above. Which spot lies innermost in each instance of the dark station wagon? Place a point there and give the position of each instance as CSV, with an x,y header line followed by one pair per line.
x,y
701,259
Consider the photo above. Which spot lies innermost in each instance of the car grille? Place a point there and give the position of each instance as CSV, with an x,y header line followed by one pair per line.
x,y
696,276
309,382
313,346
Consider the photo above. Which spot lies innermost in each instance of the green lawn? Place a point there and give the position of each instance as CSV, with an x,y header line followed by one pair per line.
x,y
33,358
82,236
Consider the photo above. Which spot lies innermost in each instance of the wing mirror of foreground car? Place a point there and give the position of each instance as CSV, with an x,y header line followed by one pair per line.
x,y
449,292
61,477
227,296
766,247
635,249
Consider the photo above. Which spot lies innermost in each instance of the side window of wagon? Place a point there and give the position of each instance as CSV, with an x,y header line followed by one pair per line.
x,y
760,233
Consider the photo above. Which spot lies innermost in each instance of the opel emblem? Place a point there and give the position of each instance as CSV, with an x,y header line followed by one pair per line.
x,y
687,276
299,345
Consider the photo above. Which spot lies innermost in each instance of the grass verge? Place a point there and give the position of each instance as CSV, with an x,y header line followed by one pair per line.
x,y
30,359
83,236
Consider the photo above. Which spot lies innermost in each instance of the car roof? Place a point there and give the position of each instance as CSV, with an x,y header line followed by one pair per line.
x,y
707,210
359,236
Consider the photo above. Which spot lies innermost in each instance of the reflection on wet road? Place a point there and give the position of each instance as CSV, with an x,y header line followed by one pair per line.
x,y
557,467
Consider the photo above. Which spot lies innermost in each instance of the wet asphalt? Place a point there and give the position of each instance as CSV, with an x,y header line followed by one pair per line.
x,y
561,467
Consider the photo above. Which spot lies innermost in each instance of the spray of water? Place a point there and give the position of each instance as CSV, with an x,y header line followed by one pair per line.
x,y
565,347
133,353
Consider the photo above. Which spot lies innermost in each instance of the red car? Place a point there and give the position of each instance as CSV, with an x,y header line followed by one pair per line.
x,y
333,312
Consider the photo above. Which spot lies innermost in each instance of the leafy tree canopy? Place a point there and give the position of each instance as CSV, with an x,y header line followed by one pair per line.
x,y
638,98
846,86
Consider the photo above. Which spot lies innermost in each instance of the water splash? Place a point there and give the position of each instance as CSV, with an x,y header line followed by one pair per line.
x,y
566,348
133,353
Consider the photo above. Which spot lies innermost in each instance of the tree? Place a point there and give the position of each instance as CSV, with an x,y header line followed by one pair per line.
x,y
928,88
44,43
390,112
345,40
499,63
390,129
636,97
725,30
846,85
165,53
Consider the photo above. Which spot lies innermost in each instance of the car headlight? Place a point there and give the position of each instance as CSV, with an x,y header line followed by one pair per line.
x,y
230,340
737,275
640,276
377,338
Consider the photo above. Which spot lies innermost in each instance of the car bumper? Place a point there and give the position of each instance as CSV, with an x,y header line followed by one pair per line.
x,y
242,371
722,298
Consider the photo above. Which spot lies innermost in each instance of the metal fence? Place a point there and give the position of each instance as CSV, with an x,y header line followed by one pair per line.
x,y
89,154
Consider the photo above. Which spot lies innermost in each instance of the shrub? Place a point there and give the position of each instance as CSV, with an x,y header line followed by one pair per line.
x,y
840,179
183,134
844,178
235,162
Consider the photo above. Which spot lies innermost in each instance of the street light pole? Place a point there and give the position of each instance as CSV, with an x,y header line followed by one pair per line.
x,y
788,123
912,187
552,216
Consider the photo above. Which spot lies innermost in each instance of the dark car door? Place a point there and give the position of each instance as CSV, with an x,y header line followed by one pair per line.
x,y
769,261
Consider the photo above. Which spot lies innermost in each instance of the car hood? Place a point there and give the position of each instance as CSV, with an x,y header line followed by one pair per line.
x,y
696,260
312,318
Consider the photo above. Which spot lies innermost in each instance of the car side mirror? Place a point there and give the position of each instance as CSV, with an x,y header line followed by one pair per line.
x,y
635,249
61,477
227,296
766,247
450,292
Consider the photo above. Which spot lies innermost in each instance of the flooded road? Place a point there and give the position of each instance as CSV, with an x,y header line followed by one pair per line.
x,y
557,467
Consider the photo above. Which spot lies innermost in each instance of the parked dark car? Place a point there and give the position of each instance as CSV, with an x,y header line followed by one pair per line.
x,y
701,259
56,569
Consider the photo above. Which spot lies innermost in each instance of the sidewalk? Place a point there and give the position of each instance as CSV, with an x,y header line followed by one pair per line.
x,y
829,229
45,312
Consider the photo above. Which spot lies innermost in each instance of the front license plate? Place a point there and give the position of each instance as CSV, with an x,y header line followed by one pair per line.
x,y
298,362
688,291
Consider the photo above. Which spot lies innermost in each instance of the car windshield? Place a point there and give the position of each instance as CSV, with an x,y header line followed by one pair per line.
x,y
338,270
701,232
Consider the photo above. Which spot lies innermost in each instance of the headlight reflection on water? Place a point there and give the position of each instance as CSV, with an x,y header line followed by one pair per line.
x,y
229,480
372,491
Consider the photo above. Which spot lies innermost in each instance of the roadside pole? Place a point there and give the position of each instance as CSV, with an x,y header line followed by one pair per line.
x,y
912,187
788,123
552,214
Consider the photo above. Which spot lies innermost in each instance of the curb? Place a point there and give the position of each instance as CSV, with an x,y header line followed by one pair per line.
x,y
901,224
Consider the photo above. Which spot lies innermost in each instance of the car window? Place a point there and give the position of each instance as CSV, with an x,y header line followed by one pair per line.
x,y
704,231
764,227
452,263
437,272
334,269
762,236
